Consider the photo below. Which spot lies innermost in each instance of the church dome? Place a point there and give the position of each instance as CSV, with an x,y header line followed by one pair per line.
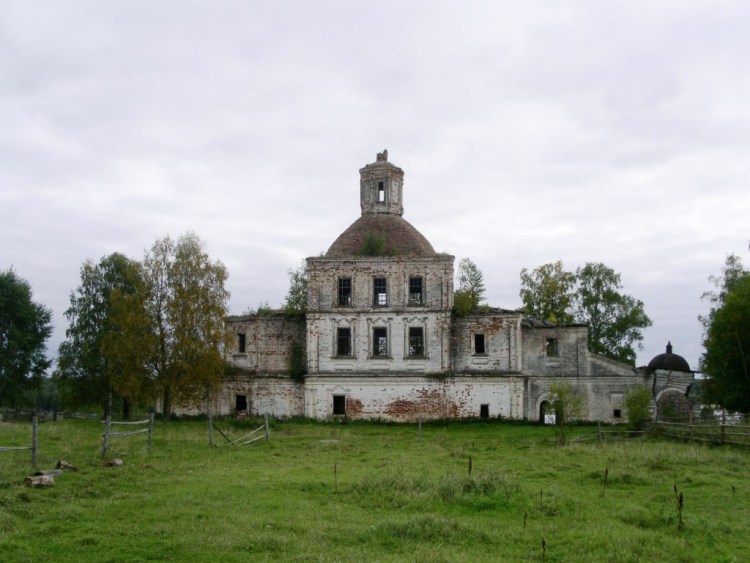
x,y
669,361
381,230
387,235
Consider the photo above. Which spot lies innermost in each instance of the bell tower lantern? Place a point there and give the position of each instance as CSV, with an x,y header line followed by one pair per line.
x,y
381,187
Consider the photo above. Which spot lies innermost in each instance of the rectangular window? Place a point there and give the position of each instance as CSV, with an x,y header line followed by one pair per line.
x,y
241,345
345,292
479,344
339,404
381,192
240,403
379,292
416,342
617,399
484,411
552,348
415,291
344,342
380,342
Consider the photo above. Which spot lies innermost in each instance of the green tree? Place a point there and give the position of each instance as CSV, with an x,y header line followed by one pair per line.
x,y
470,288
295,304
547,293
570,405
590,296
85,369
726,360
615,320
637,401
25,327
187,305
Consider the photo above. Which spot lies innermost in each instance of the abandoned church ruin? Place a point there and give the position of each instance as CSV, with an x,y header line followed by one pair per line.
x,y
379,339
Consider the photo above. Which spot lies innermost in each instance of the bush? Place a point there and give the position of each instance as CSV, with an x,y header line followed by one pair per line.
x,y
637,402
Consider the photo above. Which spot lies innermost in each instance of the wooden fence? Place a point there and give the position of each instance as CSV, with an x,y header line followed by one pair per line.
x,y
33,447
708,432
243,440
108,434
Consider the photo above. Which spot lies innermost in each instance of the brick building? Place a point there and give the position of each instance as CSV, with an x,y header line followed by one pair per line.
x,y
380,341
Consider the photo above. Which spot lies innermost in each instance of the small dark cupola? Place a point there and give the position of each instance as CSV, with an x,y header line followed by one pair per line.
x,y
669,361
381,187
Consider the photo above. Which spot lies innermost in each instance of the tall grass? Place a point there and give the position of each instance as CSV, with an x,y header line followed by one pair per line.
x,y
358,492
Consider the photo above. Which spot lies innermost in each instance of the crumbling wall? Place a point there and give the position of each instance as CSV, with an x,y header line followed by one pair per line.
x,y
405,398
268,341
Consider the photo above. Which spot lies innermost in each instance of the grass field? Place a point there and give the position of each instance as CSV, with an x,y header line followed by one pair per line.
x,y
371,492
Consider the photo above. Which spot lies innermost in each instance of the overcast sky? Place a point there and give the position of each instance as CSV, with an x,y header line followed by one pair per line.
x,y
616,132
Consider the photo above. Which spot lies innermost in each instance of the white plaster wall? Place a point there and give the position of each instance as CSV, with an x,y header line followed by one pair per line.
x,y
405,398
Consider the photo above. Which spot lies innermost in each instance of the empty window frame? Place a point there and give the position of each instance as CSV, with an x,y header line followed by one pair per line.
x,y
381,191
241,343
379,292
552,348
416,291
345,292
616,400
240,403
416,342
344,341
479,347
484,410
379,342
339,405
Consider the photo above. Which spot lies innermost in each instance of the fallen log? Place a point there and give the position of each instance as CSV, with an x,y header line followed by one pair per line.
x,y
112,463
39,481
65,465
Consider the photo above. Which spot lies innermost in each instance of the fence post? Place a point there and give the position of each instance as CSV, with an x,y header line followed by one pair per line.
x,y
34,429
420,427
150,428
105,441
267,434
210,429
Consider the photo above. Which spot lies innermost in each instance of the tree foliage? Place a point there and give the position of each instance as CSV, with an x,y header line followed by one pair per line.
x,y
25,327
295,303
84,368
187,305
615,320
726,360
570,404
147,329
470,288
547,293
637,401
591,296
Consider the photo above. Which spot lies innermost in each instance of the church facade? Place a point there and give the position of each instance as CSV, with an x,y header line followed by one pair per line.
x,y
379,339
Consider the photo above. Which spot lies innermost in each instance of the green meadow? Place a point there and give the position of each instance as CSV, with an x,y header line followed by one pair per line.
x,y
467,491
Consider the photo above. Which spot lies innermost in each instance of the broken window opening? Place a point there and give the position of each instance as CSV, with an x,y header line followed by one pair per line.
x,y
416,342
380,292
344,342
479,344
241,343
339,405
415,291
617,413
380,342
552,348
345,292
240,403
484,411
381,192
